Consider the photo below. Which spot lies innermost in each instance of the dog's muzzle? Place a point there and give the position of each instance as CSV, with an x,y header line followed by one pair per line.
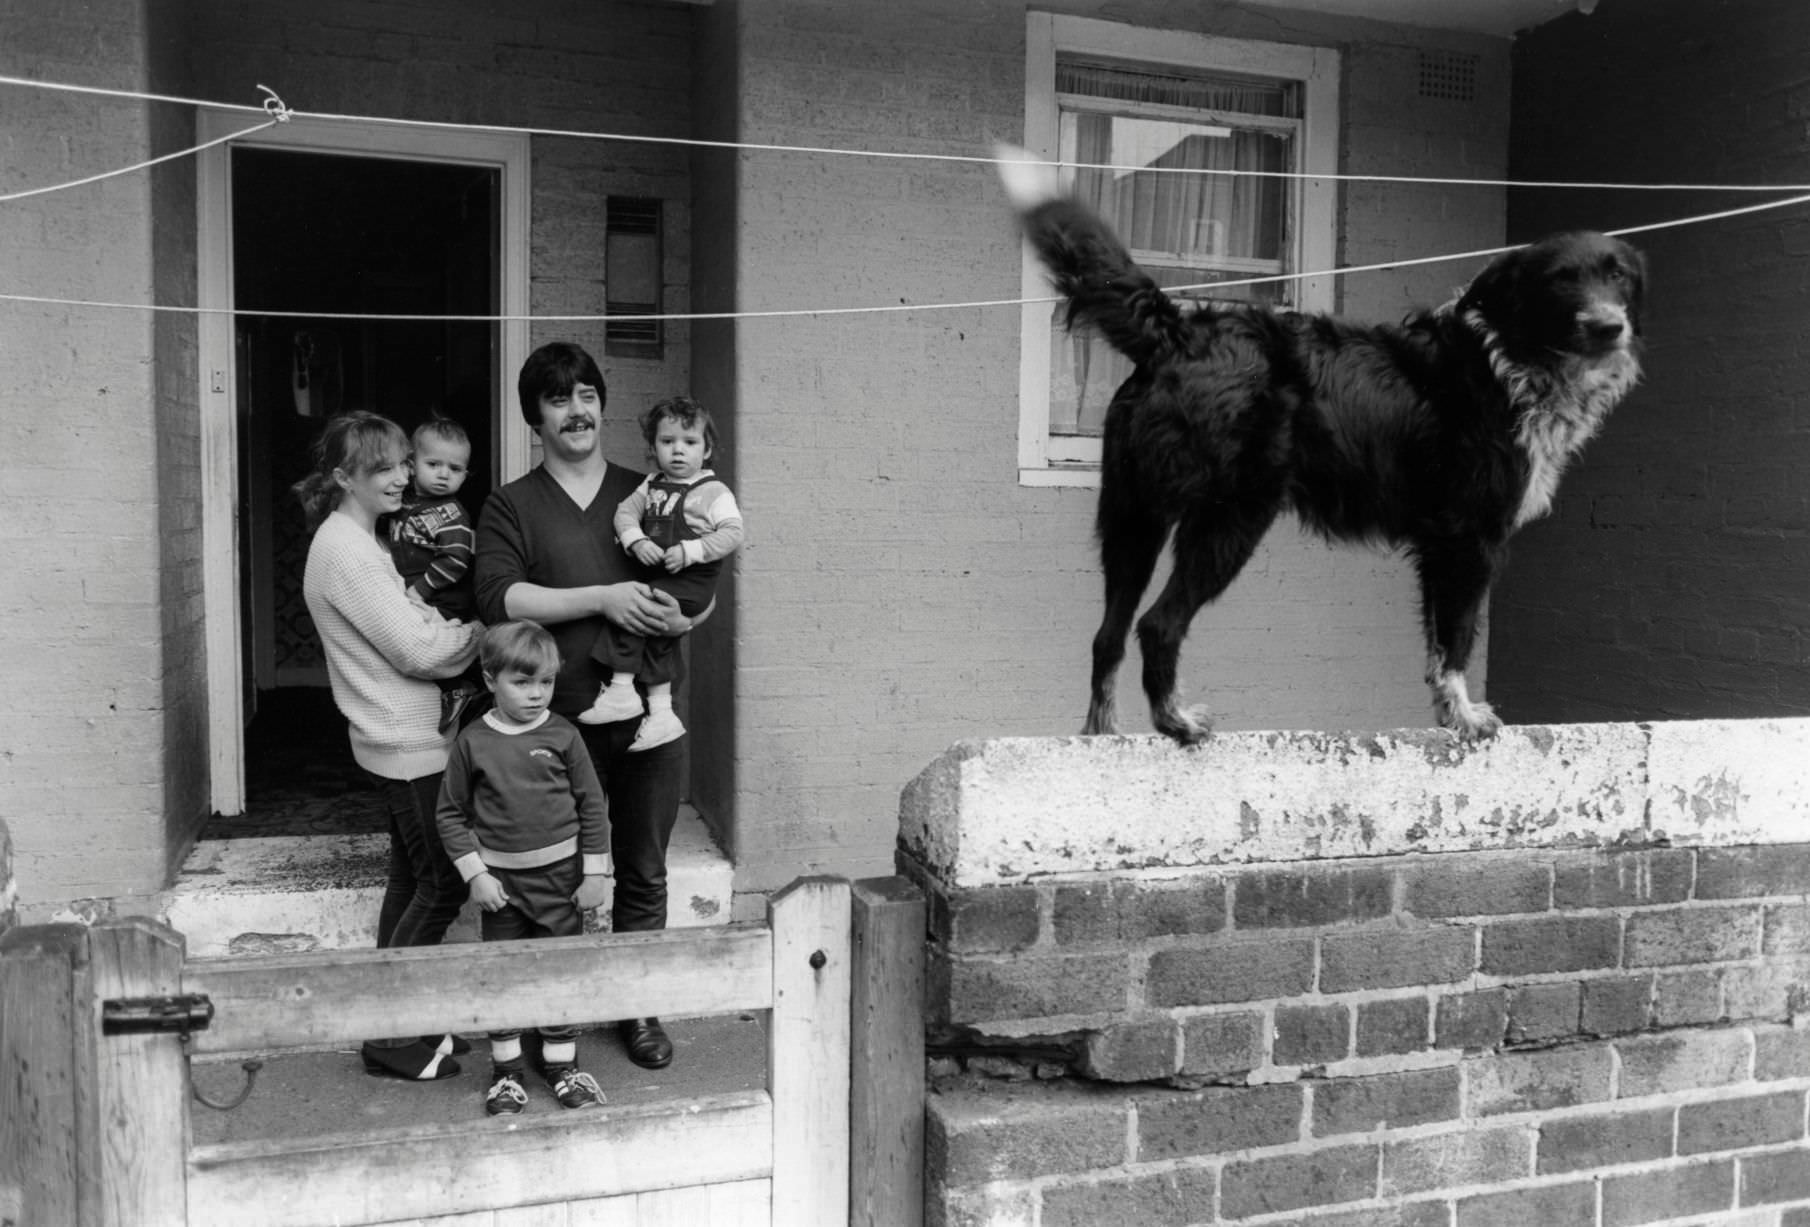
x,y
1604,327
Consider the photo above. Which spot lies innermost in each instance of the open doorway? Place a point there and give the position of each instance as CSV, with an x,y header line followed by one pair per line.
x,y
306,236
342,236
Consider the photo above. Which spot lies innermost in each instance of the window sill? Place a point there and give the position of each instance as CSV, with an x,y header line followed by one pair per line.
x,y
1069,475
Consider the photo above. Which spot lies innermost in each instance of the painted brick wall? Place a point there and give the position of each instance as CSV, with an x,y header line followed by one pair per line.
x,y
716,99
1581,1021
899,588
575,67
81,617
9,888
99,513
176,389
1674,580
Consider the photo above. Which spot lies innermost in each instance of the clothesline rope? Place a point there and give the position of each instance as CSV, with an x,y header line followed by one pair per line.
x,y
280,113
903,155
136,166
888,308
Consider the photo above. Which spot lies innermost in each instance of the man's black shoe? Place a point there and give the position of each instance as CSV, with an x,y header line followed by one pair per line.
x,y
646,1042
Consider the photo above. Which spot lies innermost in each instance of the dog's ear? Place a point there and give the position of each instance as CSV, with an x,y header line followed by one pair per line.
x,y
1634,269
1495,291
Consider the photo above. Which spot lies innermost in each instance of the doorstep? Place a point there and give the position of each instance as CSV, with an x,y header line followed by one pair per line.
x,y
281,894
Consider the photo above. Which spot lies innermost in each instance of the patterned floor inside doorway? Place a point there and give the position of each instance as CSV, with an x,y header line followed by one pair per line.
x,y
300,778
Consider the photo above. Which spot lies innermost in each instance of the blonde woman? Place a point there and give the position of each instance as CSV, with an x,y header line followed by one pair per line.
x,y
384,652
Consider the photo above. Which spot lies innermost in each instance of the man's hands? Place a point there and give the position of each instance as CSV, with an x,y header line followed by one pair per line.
x,y
488,893
643,610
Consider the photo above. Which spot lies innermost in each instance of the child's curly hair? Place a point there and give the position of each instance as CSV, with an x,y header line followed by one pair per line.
x,y
686,412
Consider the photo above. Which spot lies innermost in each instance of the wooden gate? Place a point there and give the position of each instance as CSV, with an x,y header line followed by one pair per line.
x,y
94,1126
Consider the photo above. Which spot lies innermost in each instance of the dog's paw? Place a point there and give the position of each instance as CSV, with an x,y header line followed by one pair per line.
x,y
1102,717
1470,721
1187,726
1027,181
1467,718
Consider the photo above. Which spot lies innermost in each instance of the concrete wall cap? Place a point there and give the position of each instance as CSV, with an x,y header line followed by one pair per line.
x,y
1012,809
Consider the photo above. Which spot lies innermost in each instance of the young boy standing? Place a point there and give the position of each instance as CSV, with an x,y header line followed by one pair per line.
x,y
522,815
681,523
431,540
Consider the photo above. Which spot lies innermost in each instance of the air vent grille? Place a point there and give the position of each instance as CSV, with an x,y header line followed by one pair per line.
x,y
1448,75
633,276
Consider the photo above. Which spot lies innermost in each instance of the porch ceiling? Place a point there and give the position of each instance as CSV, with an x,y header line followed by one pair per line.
x,y
1500,17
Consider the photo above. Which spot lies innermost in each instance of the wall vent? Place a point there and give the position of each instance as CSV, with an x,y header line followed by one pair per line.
x,y
633,283
1448,75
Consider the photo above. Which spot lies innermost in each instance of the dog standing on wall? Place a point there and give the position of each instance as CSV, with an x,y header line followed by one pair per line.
x,y
1440,436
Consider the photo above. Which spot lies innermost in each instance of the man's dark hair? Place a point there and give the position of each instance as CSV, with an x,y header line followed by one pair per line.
x,y
554,370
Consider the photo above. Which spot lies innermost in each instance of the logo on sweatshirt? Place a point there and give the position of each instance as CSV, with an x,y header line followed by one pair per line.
x,y
541,752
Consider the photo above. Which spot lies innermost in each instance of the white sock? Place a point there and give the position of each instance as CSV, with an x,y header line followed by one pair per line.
x,y
619,680
506,1052
558,1052
659,698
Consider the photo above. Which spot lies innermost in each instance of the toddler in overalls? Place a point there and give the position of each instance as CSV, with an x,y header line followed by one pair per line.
x,y
681,522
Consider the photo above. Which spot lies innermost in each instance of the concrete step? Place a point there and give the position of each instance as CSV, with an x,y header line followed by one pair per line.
x,y
322,892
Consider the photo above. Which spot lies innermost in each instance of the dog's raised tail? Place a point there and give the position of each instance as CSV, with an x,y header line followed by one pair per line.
x,y
1089,265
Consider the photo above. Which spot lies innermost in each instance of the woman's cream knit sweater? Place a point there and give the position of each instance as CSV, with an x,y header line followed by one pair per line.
x,y
381,649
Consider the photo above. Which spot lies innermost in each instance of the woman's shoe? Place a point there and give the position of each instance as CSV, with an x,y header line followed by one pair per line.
x,y
416,1062
448,1044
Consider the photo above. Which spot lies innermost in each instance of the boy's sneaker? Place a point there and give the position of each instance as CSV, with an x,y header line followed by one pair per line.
x,y
659,728
613,703
506,1096
572,1088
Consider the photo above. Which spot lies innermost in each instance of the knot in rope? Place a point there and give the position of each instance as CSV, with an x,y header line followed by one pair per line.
x,y
273,105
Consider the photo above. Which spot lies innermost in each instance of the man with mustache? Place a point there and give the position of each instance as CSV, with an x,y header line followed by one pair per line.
x,y
547,552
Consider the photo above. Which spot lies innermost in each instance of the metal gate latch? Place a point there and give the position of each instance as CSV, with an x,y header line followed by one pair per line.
x,y
142,1015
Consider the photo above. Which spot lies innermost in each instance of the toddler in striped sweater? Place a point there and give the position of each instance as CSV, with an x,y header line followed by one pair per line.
x,y
431,541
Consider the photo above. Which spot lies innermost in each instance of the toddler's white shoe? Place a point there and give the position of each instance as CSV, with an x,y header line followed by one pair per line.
x,y
613,703
659,728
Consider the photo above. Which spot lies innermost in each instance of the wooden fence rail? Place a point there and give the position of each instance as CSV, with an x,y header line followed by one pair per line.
x,y
94,1129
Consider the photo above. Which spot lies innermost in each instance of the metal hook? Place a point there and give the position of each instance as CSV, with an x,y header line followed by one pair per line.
x,y
251,1069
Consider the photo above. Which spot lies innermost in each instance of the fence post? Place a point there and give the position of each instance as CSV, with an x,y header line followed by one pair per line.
x,y
808,1051
886,1110
49,1164
142,1083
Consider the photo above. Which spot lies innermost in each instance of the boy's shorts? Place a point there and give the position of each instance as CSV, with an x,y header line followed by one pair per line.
x,y
540,903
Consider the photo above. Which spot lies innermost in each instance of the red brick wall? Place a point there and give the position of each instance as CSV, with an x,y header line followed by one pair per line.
x,y
1674,580
1526,1036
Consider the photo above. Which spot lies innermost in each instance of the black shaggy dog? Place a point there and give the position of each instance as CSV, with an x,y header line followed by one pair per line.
x,y
1440,436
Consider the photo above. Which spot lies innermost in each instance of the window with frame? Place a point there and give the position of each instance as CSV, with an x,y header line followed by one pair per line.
x,y
1129,113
